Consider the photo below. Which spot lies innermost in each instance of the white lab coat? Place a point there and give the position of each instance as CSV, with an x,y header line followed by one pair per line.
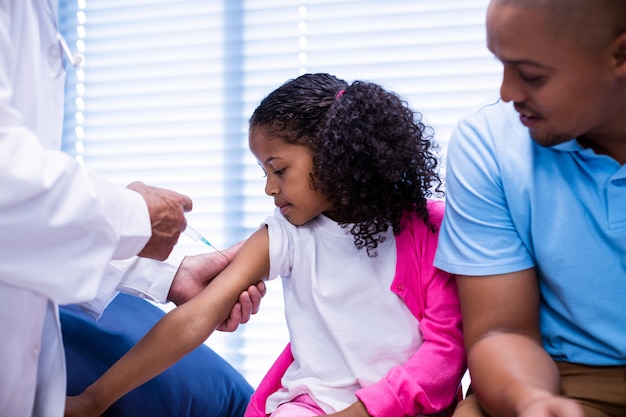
x,y
60,224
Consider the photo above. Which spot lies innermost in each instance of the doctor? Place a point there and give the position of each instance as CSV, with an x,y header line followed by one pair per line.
x,y
61,224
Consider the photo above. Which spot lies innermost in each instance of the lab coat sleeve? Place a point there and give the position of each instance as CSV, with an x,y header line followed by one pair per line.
x,y
141,277
60,223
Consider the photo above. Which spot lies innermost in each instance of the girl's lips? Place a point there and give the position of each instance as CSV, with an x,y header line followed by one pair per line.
x,y
283,207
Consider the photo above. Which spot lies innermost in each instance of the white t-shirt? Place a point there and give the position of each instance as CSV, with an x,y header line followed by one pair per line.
x,y
347,329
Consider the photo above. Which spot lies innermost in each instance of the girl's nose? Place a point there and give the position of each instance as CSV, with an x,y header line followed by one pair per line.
x,y
270,187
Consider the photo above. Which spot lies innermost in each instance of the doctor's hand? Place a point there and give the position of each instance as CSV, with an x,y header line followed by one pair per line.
x,y
196,271
167,217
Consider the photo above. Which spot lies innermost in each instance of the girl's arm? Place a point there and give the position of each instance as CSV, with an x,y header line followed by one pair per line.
x,y
179,332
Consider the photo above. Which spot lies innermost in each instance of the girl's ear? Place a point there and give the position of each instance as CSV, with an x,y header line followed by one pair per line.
x,y
619,55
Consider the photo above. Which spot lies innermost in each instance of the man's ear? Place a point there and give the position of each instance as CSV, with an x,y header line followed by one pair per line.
x,y
619,55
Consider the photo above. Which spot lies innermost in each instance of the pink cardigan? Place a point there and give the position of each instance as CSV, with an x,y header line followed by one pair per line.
x,y
429,381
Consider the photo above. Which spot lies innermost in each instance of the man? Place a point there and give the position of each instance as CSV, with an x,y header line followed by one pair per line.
x,y
61,224
535,225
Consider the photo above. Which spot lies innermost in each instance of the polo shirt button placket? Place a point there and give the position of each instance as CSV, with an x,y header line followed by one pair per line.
x,y
616,201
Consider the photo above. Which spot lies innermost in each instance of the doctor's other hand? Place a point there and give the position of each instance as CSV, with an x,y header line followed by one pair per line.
x,y
248,304
196,271
167,218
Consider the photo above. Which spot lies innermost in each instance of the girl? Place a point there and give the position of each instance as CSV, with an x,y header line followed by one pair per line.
x,y
375,328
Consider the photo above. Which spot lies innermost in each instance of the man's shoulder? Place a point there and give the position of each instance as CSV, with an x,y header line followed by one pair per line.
x,y
491,132
494,113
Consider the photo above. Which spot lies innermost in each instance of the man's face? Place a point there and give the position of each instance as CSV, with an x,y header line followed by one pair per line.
x,y
561,89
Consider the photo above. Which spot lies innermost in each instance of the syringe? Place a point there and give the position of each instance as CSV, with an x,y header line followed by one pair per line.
x,y
197,236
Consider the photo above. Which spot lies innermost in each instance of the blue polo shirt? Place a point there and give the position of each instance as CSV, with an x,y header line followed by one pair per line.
x,y
512,204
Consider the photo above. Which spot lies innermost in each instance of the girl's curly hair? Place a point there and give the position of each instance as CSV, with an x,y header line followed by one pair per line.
x,y
373,156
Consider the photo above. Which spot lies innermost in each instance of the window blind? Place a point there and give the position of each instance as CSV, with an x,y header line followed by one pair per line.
x,y
168,86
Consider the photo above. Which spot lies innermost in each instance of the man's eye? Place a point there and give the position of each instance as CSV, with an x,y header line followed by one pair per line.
x,y
530,78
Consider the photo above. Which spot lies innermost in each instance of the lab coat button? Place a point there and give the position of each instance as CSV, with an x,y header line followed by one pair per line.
x,y
36,351
54,52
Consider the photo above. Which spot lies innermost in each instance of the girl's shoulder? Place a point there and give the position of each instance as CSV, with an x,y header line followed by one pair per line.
x,y
413,221
436,209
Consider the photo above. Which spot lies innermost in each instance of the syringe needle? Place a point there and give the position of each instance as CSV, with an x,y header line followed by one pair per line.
x,y
197,236
216,249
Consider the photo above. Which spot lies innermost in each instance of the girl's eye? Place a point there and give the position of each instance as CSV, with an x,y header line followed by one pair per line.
x,y
279,172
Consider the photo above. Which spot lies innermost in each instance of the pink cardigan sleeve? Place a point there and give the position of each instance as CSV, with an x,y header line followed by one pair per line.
x,y
429,381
